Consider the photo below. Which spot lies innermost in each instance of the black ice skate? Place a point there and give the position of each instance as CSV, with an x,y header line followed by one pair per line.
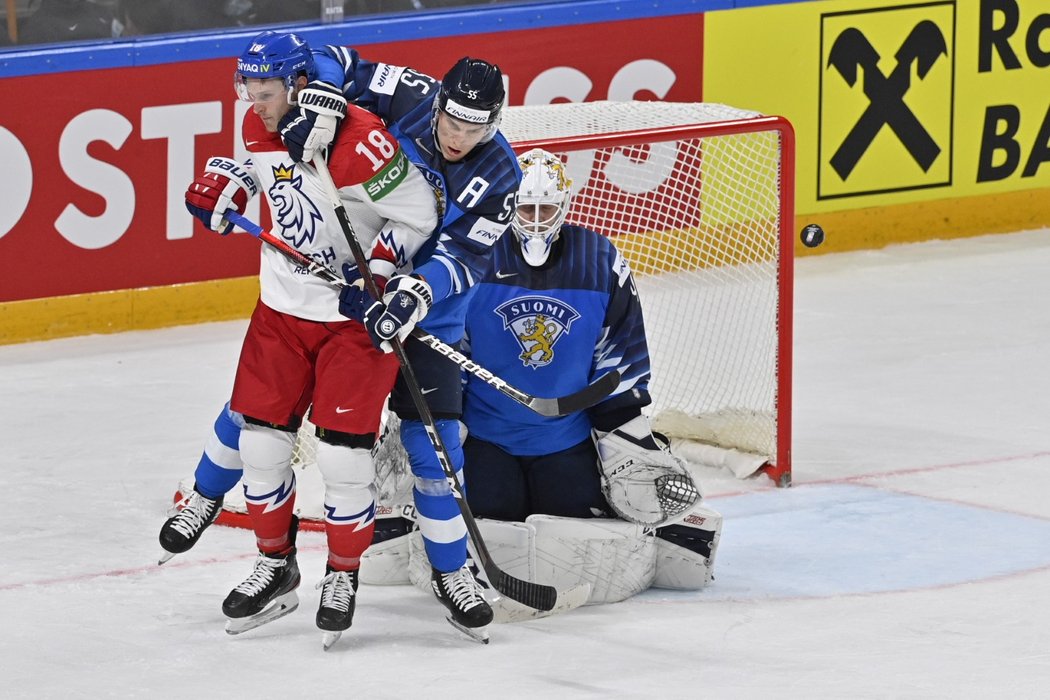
x,y
268,593
338,598
181,531
460,592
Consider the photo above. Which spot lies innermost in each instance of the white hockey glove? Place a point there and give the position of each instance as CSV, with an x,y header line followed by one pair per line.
x,y
644,483
225,184
406,301
311,128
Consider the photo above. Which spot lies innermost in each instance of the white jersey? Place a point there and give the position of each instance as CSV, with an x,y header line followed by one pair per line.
x,y
385,197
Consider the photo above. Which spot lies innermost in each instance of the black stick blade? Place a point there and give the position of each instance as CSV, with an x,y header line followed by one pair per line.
x,y
583,399
534,595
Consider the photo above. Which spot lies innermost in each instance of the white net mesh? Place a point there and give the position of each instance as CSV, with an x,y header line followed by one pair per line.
x,y
697,212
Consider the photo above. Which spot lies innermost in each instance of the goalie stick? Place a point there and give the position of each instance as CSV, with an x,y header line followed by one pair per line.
x,y
534,595
560,406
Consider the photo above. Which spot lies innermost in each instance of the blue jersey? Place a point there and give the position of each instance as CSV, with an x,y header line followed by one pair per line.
x,y
476,193
550,331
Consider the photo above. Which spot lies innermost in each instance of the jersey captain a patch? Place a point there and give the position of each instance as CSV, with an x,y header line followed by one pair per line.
x,y
292,208
537,322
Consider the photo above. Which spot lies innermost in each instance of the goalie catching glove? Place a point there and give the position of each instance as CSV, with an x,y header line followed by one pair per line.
x,y
308,130
225,185
406,301
643,483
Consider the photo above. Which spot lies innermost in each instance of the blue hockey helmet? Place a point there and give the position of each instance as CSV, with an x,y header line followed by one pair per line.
x,y
472,91
273,55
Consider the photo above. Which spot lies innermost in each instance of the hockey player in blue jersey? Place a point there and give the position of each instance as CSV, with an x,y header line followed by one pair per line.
x,y
560,308
449,130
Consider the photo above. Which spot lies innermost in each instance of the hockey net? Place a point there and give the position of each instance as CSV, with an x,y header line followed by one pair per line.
x,y
699,199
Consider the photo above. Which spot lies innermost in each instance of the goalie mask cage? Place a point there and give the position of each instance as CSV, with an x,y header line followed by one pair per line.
x,y
699,199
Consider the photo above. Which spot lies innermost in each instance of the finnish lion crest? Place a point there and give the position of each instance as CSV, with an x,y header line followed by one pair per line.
x,y
293,210
537,322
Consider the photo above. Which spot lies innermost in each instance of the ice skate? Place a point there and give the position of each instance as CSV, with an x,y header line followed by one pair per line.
x,y
190,517
460,592
268,593
338,598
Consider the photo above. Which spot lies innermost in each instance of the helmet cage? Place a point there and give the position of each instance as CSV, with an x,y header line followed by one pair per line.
x,y
543,182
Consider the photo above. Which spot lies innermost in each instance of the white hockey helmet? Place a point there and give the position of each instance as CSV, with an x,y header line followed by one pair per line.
x,y
542,203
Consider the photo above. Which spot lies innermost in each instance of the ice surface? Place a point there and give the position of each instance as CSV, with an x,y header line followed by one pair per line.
x,y
911,559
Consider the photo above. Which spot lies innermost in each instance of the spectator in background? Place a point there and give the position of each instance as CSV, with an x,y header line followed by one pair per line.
x,y
67,20
274,11
138,17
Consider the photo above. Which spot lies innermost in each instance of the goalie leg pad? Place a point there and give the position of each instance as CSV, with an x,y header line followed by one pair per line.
x,y
509,543
386,561
394,478
617,558
686,550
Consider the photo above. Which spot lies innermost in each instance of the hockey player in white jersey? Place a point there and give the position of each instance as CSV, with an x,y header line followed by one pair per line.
x,y
475,170
299,350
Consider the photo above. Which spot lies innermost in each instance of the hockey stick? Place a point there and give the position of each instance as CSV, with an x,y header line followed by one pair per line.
x,y
564,405
534,595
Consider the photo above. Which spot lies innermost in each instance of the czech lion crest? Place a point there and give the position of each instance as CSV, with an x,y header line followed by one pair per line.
x,y
293,210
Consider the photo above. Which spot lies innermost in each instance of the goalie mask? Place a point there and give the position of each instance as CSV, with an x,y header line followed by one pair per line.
x,y
542,203
472,92
273,56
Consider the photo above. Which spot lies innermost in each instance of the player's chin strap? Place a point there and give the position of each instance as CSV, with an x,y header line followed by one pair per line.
x,y
571,403
534,595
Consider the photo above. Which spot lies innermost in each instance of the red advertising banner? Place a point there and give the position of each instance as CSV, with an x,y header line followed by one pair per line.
x,y
95,163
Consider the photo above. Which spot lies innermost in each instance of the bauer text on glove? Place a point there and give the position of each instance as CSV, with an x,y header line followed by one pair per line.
x,y
225,184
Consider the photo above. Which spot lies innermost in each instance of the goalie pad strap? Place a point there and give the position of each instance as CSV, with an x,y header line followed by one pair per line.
x,y
685,557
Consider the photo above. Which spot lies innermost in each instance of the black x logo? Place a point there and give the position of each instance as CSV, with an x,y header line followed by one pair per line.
x,y
852,51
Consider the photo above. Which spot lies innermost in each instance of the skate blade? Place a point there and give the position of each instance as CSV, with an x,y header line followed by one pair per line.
x,y
478,634
330,638
506,610
166,556
281,606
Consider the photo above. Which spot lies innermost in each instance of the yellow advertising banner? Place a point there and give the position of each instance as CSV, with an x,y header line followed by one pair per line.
x,y
913,119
